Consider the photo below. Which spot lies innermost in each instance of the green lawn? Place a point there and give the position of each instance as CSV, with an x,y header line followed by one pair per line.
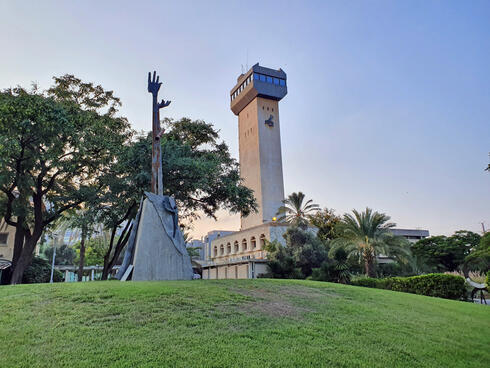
x,y
236,323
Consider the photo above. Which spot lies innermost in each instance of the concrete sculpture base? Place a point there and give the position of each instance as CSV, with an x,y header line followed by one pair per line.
x,y
156,247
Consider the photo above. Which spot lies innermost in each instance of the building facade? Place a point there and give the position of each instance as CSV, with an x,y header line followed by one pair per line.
x,y
412,235
7,235
255,100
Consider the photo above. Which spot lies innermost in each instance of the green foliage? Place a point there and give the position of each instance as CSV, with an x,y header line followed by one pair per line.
x,y
65,255
303,252
334,270
443,253
436,285
325,220
193,252
55,146
479,257
95,249
295,212
53,149
39,271
365,235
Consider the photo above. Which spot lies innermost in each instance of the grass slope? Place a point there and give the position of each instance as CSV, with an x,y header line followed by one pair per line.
x,y
236,323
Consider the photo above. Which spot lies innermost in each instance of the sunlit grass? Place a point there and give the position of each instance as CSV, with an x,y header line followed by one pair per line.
x,y
236,323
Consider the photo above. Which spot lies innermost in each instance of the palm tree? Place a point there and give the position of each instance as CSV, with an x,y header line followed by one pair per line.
x,y
294,211
366,235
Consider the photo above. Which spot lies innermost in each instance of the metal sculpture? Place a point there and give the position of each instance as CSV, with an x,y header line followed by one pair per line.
x,y
156,248
154,85
269,121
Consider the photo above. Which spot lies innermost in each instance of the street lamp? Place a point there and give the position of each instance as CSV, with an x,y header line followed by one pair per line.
x,y
55,240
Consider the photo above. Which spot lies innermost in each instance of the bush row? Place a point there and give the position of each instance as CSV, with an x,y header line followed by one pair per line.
x,y
434,284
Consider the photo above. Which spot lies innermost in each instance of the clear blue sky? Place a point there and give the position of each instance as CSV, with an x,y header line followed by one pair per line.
x,y
388,104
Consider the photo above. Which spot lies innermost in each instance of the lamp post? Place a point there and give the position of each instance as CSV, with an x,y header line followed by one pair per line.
x,y
55,240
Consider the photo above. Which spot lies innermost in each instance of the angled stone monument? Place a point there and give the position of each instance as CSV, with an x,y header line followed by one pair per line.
x,y
156,248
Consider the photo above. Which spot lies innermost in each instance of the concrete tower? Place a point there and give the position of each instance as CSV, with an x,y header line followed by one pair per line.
x,y
255,99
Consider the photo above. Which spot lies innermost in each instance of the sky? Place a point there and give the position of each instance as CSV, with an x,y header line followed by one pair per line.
x,y
388,102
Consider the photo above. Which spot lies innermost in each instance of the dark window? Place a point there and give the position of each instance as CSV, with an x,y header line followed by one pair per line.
x,y
282,82
269,79
276,81
262,78
3,238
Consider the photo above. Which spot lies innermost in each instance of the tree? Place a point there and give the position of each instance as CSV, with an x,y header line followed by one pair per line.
x,y
294,211
479,257
325,220
53,147
65,254
95,248
334,270
198,172
443,253
303,252
193,252
84,219
366,235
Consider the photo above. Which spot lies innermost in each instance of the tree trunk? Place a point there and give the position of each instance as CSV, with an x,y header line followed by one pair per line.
x,y
121,242
24,260
18,245
82,254
18,240
369,264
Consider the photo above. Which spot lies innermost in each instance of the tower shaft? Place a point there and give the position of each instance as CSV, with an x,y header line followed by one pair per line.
x,y
255,99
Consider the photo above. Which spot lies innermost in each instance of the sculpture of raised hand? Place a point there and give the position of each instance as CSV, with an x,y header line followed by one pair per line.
x,y
154,84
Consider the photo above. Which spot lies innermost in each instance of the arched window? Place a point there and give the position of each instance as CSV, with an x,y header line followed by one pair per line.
x,y
262,241
244,245
235,247
221,249
215,251
253,242
228,248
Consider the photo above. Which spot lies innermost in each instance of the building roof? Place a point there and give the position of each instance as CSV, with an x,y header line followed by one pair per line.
x,y
410,232
249,87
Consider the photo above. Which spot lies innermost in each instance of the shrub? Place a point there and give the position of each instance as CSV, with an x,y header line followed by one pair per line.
x,y
366,282
40,271
437,285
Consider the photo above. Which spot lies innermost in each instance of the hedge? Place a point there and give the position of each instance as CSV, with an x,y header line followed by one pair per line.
x,y
434,284
40,271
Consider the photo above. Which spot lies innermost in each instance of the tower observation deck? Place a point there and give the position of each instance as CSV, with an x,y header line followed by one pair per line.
x,y
255,99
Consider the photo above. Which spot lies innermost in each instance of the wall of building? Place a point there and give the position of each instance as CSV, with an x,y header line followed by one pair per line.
x,y
212,235
260,158
271,177
7,234
248,142
241,244
245,270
